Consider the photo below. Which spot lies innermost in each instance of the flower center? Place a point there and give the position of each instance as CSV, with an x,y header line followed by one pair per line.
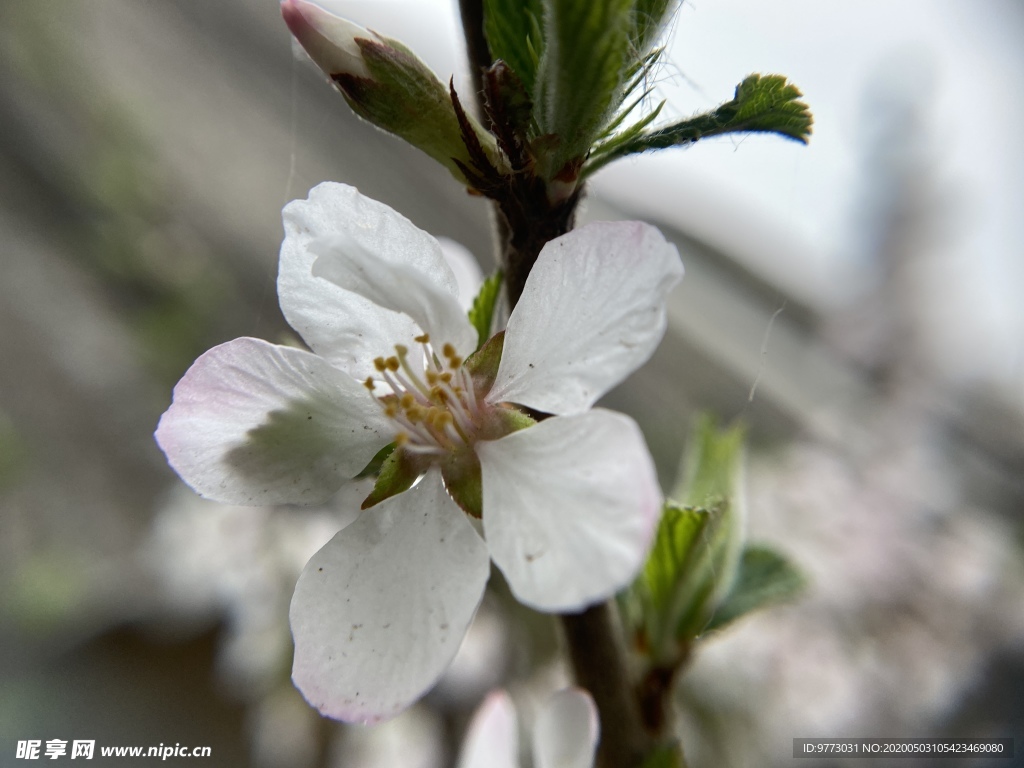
x,y
437,412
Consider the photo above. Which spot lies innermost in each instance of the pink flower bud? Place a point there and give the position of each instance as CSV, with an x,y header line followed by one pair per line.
x,y
328,39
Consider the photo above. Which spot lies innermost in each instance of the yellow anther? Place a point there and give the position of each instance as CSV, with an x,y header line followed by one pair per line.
x,y
446,377
391,410
407,400
448,350
415,414
455,362
424,339
431,378
430,417
392,364
402,350
380,364
439,395
401,439
369,383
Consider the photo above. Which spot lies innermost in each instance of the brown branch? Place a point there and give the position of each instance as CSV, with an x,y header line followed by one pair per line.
x,y
598,656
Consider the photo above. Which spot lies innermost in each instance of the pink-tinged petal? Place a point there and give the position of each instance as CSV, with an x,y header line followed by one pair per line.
x,y
566,732
396,286
492,740
592,312
256,423
329,40
570,508
344,327
379,612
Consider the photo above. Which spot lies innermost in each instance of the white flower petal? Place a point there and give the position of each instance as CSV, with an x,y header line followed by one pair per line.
x,y
398,287
467,272
379,612
592,312
492,740
566,732
347,329
570,507
256,423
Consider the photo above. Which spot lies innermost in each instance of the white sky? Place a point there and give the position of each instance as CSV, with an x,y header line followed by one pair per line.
x,y
965,55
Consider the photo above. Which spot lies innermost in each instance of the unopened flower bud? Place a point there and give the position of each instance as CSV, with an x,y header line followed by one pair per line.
x,y
385,83
329,40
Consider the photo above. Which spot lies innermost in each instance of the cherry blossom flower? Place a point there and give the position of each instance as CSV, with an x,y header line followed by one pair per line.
x,y
565,733
568,504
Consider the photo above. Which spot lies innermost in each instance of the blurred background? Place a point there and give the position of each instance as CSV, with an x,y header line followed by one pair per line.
x,y
855,301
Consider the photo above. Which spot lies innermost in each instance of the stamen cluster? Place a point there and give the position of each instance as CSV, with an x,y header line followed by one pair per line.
x,y
438,412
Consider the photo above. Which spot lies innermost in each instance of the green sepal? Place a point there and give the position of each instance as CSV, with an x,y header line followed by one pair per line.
x,y
372,469
398,472
761,104
483,364
404,97
765,578
481,313
580,78
514,35
464,482
504,421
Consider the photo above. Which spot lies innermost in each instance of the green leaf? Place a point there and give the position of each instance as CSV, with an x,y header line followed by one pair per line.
x,y
628,135
770,103
765,578
712,465
712,477
682,580
514,35
696,552
762,104
678,530
580,77
481,313
649,19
